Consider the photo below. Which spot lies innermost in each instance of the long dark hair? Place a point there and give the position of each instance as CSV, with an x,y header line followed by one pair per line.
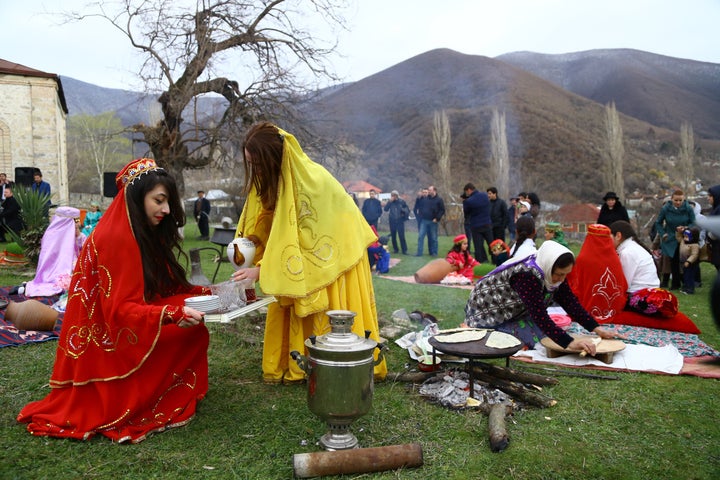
x,y
457,247
626,231
265,145
159,245
524,228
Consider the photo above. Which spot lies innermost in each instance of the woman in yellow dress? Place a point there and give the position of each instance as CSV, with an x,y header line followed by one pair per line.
x,y
311,247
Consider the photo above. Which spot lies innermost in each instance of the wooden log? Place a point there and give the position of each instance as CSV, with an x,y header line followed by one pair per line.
x,y
499,438
409,377
357,460
518,391
515,375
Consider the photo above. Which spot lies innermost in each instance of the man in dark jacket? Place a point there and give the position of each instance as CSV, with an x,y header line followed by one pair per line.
x,y
476,209
398,213
202,215
9,214
498,214
372,209
430,210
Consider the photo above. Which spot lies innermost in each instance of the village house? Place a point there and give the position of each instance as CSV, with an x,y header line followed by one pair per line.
x,y
33,127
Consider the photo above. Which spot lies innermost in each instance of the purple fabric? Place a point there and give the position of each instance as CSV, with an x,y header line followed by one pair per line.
x,y
59,250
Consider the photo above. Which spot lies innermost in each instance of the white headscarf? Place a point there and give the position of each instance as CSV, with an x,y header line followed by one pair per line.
x,y
546,256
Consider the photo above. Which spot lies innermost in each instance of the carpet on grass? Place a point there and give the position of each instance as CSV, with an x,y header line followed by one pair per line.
x,y
10,335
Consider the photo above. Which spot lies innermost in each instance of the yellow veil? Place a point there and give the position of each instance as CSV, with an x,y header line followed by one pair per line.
x,y
317,233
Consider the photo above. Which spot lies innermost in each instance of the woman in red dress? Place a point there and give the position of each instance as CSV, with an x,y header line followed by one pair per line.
x,y
131,358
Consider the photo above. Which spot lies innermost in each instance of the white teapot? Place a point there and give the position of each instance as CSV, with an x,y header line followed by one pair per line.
x,y
241,253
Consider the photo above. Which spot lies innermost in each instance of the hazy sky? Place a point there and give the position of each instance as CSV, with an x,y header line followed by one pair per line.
x,y
386,32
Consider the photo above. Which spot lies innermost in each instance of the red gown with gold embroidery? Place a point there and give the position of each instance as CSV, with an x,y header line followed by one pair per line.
x,y
123,369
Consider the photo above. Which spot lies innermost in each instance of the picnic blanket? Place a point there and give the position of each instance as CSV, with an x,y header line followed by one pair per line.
x,y
648,350
11,335
411,279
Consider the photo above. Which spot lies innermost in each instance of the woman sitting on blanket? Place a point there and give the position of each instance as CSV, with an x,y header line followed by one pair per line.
x,y
462,262
644,294
514,298
59,249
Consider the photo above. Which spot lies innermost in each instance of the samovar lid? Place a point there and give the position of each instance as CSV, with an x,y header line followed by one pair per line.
x,y
341,337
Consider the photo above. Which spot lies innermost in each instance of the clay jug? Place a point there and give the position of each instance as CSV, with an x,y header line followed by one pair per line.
x,y
31,315
433,272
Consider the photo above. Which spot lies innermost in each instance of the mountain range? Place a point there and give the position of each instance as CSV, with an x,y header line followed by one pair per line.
x,y
554,106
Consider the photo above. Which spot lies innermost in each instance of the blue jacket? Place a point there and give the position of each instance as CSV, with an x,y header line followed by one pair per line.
x,y
431,208
476,209
372,210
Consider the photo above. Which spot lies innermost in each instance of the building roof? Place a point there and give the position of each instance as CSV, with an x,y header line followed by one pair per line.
x,y
11,68
578,213
359,186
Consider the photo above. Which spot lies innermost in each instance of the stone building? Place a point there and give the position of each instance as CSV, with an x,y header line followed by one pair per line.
x,y
33,127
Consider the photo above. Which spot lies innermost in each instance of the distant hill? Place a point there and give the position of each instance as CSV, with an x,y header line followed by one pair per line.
x,y
89,99
554,136
554,111
660,90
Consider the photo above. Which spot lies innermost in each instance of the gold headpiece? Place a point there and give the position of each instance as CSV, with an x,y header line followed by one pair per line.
x,y
133,170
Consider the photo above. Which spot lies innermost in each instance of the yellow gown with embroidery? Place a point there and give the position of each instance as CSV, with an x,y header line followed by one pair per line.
x,y
313,258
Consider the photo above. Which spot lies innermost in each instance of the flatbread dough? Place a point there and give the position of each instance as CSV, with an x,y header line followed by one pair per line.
x,y
461,336
501,340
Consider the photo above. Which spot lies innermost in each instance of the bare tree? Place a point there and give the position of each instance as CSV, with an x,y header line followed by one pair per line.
x,y
687,153
614,153
441,143
98,142
500,160
182,49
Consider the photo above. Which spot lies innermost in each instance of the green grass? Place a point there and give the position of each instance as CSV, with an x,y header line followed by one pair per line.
x,y
641,426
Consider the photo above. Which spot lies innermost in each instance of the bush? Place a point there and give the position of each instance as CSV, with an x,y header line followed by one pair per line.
x,y
34,214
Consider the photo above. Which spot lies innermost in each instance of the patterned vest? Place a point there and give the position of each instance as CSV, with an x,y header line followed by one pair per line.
x,y
493,301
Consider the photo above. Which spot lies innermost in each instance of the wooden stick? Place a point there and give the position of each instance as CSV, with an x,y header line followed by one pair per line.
x,y
499,438
358,460
515,375
410,377
566,373
518,391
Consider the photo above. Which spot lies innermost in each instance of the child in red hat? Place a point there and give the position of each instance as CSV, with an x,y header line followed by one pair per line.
x,y
461,260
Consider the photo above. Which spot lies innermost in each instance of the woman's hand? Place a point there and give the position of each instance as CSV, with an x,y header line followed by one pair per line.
x,y
191,318
246,274
608,334
583,345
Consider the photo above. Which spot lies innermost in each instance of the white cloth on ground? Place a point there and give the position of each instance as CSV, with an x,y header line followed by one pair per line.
x,y
640,358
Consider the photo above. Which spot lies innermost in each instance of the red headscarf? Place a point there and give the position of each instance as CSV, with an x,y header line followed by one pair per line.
x,y
597,279
109,329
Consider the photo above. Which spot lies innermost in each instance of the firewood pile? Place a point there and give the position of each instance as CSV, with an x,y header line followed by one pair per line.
x,y
497,392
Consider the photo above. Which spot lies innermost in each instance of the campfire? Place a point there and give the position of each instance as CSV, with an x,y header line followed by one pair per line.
x,y
497,392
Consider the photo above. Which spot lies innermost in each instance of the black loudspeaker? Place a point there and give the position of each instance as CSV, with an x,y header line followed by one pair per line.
x,y
109,187
24,175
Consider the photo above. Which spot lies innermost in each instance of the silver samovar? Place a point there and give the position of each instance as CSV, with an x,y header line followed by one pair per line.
x,y
339,370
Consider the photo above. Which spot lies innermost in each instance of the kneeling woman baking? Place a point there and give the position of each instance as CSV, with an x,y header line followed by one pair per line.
x,y
514,298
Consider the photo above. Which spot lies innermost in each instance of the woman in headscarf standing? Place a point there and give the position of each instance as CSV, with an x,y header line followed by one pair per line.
x,y
131,358
514,298
311,249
